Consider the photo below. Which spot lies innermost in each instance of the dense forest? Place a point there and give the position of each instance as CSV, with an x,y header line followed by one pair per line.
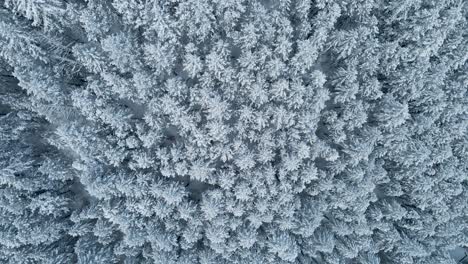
x,y
233,131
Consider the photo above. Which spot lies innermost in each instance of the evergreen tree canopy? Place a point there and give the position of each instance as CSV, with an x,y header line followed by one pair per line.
x,y
233,131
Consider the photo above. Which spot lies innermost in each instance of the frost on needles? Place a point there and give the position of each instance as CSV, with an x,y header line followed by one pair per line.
x,y
233,131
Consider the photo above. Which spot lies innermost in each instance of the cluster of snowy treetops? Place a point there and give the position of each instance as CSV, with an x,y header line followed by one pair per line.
x,y
233,131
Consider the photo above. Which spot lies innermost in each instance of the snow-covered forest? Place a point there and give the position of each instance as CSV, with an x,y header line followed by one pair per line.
x,y
233,131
